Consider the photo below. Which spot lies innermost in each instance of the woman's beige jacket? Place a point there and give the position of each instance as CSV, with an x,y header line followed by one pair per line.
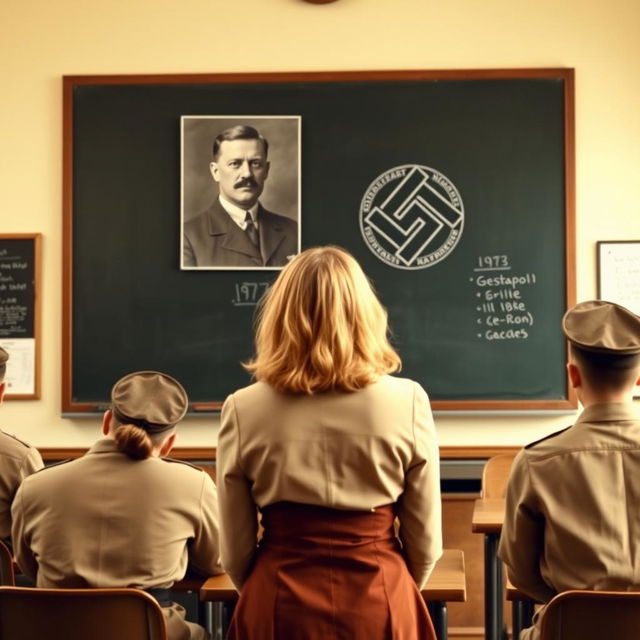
x,y
357,451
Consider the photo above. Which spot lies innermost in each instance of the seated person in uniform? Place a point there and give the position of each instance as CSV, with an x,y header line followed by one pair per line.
x,y
17,461
123,515
572,498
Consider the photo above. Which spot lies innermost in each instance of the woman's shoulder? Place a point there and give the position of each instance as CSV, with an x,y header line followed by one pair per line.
x,y
396,384
256,392
259,393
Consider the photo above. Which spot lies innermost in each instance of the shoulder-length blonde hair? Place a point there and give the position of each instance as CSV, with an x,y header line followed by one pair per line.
x,y
320,327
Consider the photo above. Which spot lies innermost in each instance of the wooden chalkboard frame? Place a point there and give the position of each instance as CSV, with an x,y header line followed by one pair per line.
x,y
34,301
70,83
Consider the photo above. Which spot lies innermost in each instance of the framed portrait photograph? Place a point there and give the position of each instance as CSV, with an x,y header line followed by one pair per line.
x,y
240,192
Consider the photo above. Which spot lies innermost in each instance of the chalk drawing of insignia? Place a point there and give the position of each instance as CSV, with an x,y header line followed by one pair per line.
x,y
411,217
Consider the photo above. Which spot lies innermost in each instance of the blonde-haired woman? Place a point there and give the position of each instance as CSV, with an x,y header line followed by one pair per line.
x,y
330,449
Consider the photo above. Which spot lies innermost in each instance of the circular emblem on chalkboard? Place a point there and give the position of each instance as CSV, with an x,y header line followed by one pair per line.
x,y
411,216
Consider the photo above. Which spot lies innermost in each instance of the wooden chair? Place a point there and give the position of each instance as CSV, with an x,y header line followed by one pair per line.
x,y
592,615
495,475
78,614
7,576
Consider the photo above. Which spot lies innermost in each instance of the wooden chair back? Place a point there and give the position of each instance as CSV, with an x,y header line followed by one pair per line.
x,y
495,475
7,576
592,615
79,614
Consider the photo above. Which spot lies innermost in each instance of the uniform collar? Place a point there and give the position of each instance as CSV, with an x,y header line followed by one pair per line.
x,y
611,412
104,445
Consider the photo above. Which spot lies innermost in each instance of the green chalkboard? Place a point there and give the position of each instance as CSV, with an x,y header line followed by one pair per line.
x,y
454,190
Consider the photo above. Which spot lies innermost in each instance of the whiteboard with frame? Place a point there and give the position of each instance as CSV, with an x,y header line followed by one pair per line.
x,y
619,273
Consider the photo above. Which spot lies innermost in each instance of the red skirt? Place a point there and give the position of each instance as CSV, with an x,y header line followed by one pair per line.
x,y
326,574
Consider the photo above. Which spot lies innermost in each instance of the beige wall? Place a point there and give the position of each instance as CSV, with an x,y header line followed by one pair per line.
x,y
40,41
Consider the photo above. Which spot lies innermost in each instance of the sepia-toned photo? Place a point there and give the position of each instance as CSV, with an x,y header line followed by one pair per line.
x,y
240,191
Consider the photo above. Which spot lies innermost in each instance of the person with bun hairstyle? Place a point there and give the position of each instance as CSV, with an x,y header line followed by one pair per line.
x,y
328,449
123,515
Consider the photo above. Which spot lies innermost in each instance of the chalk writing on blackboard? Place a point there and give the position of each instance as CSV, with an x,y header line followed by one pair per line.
x,y
501,301
18,310
16,287
248,294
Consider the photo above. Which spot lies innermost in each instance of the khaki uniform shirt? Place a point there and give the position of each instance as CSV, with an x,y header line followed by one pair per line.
x,y
105,520
17,461
356,451
572,518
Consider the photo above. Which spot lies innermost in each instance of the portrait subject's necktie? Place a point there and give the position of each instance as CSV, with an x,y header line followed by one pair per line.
x,y
251,230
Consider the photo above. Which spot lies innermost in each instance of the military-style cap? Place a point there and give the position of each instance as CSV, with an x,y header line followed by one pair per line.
x,y
603,327
4,356
149,399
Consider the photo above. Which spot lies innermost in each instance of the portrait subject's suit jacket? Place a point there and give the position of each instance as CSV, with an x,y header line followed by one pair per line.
x,y
213,239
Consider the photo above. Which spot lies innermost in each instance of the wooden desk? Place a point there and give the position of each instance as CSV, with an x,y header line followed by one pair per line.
x,y
487,518
447,583
488,515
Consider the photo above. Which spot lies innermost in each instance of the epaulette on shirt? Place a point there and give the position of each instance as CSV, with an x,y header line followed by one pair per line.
x,y
551,435
193,466
54,464
28,446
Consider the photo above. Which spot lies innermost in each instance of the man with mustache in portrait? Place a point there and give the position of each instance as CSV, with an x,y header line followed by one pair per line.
x,y
236,230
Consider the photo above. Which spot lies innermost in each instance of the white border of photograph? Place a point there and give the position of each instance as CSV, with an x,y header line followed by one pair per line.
x,y
194,168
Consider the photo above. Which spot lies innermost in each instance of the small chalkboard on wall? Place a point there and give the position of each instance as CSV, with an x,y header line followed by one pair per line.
x,y
20,313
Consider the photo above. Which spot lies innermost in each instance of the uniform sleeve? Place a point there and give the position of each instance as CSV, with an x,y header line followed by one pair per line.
x,y
32,463
204,550
238,513
14,471
522,538
20,536
419,507
10,479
